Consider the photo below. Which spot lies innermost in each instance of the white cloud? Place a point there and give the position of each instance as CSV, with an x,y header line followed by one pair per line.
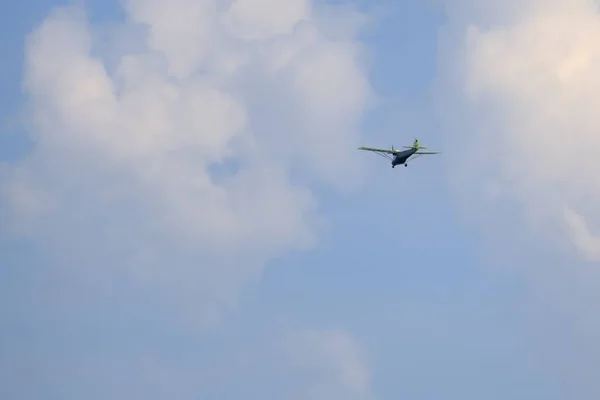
x,y
253,19
588,244
335,364
518,93
123,360
530,83
174,164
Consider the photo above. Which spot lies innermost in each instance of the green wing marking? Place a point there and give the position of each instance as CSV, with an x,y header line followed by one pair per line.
x,y
379,150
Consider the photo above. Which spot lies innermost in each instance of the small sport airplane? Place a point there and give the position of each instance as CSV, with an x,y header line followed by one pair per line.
x,y
398,157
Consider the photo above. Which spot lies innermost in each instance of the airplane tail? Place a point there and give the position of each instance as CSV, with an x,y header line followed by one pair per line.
x,y
415,145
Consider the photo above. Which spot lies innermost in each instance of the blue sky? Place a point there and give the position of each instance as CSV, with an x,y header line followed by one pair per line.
x,y
447,295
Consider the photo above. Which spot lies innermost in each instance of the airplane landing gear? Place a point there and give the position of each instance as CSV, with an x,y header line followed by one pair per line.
x,y
406,165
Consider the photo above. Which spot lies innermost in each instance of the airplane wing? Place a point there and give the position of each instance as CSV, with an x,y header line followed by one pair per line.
x,y
379,150
427,152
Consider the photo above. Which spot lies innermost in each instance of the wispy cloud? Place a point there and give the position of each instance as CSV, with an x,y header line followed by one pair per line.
x,y
334,364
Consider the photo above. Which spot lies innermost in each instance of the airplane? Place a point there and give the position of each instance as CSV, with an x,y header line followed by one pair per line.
x,y
398,157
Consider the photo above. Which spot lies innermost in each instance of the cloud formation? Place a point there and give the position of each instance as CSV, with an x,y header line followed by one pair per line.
x,y
171,158
527,76
518,92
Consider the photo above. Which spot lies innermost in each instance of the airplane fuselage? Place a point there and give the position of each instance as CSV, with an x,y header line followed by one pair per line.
x,y
402,157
